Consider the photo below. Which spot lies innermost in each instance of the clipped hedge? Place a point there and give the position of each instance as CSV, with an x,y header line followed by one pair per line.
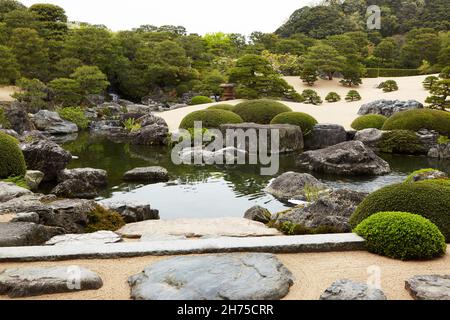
x,y
402,235
12,161
200,100
429,199
368,121
385,72
303,120
227,107
417,119
210,118
260,111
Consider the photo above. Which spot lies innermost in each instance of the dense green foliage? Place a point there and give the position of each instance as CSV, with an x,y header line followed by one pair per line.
x,y
18,181
210,118
402,235
303,120
368,121
311,97
4,122
102,219
199,100
223,106
383,72
332,97
260,111
389,86
410,178
400,142
353,95
12,162
429,199
75,115
420,119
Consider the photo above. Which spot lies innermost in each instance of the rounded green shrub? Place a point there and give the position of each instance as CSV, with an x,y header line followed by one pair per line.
x,y
303,120
12,161
369,121
420,119
353,95
429,199
333,97
260,111
400,142
75,115
429,82
227,107
200,100
210,118
103,219
310,96
402,235
389,86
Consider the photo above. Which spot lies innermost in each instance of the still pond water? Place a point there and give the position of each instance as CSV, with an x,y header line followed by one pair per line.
x,y
211,191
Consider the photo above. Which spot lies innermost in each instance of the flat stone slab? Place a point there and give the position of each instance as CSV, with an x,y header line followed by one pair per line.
x,y
26,282
351,290
225,227
99,237
147,174
248,276
16,234
429,287
275,244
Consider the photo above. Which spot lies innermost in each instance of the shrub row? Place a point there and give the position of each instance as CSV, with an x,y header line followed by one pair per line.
x,y
385,72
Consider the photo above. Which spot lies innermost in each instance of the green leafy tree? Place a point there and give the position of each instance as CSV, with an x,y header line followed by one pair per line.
x,y
445,73
66,92
444,56
33,94
7,6
52,20
352,95
65,67
352,74
9,69
90,79
440,95
309,74
420,46
429,82
389,86
325,59
332,97
387,51
20,19
311,97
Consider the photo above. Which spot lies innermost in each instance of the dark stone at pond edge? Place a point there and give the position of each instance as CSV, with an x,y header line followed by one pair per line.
x,y
351,290
258,213
147,174
248,276
293,185
131,212
441,151
429,287
18,234
51,122
350,158
47,157
75,188
35,281
17,116
324,135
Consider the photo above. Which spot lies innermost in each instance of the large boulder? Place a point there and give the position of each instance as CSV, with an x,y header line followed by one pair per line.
x,y
291,137
370,137
351,290
149,135
147,174
96,177
293,185
17,116
350,158
80,183
429,287
388,107
258,213
440,151
18,234
47,157
131,212
324,135
51,122
35,281
248,276
10,191
330,212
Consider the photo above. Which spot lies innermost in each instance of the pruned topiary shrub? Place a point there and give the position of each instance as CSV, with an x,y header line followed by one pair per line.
x,y
200,100
400,142
389,86
420,119
210,118
103,219
310,96
260,111
429,199
352,95
227,107
402,235
12,161
333,97
303,120
369,121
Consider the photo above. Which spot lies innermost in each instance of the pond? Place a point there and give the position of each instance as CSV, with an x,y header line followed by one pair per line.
x,y
211,191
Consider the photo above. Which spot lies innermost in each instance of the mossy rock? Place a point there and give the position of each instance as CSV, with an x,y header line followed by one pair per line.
x,y
260,111
103,219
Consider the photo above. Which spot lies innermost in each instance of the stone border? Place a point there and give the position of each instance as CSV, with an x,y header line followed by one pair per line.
x,y
276,244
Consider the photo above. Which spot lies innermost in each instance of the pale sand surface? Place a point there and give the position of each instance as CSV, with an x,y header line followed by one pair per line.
x,y
5,93
314,272
342,112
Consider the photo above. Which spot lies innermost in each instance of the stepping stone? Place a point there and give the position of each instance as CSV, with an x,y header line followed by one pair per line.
x,y
160,237
99,237
430,287
26,282
147,174
226,227
249,276
351,290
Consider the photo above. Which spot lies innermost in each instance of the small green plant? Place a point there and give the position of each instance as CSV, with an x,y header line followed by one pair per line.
x,y
131,125
417,119
389,86
443,140
333,97
312,193
200,100
103,219
18,181
352,95
75,115
311,97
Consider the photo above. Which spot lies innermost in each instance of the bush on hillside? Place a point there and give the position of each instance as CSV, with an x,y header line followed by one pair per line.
x,y
400,142
402,235
12,161
303,120
332,97
417,119
368,121
227,107
386,72
260,111
428,198
75,115
352,95
210,118
200,100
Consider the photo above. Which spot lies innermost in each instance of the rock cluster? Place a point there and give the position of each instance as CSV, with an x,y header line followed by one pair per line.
x,y
388,107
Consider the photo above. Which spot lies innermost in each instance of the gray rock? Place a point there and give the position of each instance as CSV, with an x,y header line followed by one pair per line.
x,y
96,238
428,139
47,157
148,237
324,135
350,158
96,177
34,179
258,213
229,155
10,191
95,99
149,135
10,132
250,276
51,122
75,188
147,174
30,202
18,234
131,212
139,108
388,107
350,290
291,137
26,217
370,137
34,281
440,151
17,116
293,185
429,287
